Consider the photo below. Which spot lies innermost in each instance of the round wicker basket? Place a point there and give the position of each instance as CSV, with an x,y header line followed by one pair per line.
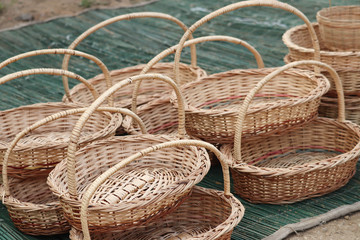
x,y
206,214
340,27
148,91
308,161
143,190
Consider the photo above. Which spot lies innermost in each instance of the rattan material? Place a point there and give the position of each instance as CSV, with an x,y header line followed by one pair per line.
x,y
297,39
40,151
207,214
149,90
308,161
340,27
145,189
291,99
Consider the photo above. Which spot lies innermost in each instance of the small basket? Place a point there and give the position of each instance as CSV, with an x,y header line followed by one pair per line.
x,y
291,99
340,27
40,151
306,162
143,190
206,214
148,91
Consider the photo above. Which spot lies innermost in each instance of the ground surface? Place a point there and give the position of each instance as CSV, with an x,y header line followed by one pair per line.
x,y
15,13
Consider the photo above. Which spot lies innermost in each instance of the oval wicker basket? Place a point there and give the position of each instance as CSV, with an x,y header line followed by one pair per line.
x,y
291,99
41,150
206,214
340,27
144,190
148,91
308,161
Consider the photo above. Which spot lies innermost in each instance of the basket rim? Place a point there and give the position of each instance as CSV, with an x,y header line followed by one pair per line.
x,y
325,53
299,169
326,13
322,87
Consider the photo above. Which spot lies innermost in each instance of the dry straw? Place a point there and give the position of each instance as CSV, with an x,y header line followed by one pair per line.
x,y
206,214
143,190
306,162
290,99
149,90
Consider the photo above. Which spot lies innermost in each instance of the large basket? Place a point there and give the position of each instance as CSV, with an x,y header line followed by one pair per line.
x,y
143,190
148,91
290,99
340,27
41,150
308,161
206,214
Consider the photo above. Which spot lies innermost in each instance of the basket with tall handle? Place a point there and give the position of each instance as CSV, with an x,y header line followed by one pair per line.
x,y
305,162
206,214
143,190
211,102
31,205
149,90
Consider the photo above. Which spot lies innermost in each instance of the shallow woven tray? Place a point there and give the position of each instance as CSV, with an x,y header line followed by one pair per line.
x,y
308,161
143,190
148,91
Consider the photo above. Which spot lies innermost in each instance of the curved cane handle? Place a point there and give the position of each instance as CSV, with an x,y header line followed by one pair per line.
x,y
49,71
61,51
117,19
260,84
75,135
103,177
235,6
192,42
53,118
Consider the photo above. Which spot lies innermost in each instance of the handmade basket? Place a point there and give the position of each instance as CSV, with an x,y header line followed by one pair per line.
x,y
306,162
211,102
149,90
41,150
143,190
206,214
340,27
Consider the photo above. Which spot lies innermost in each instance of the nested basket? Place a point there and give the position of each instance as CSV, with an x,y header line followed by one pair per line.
x,y
340,27
206,214
31,205
148,90
143,190
305,162
292,98
40,151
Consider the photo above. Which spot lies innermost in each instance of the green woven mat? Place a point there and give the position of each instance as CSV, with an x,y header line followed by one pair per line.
x,y
130,43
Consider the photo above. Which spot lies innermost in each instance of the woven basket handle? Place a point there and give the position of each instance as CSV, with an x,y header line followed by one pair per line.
x,y
103,177
107,22
243,4
50,119
75,135
260,84
60,51
192,42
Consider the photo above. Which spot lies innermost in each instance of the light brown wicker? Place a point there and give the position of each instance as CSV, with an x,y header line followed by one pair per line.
x,y
144,190
159,115
206,214
149,90
211,102
308,161
340,27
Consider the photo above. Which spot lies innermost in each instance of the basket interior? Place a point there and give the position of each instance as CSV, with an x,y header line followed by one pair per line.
x,y
301,37
341,14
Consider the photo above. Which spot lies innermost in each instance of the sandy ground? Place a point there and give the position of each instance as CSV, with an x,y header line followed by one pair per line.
x,y
19,12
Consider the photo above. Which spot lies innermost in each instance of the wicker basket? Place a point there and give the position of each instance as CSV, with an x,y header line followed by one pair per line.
x,y
305,162
144,190
340,27
148,91
291,99
40,151
206,214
